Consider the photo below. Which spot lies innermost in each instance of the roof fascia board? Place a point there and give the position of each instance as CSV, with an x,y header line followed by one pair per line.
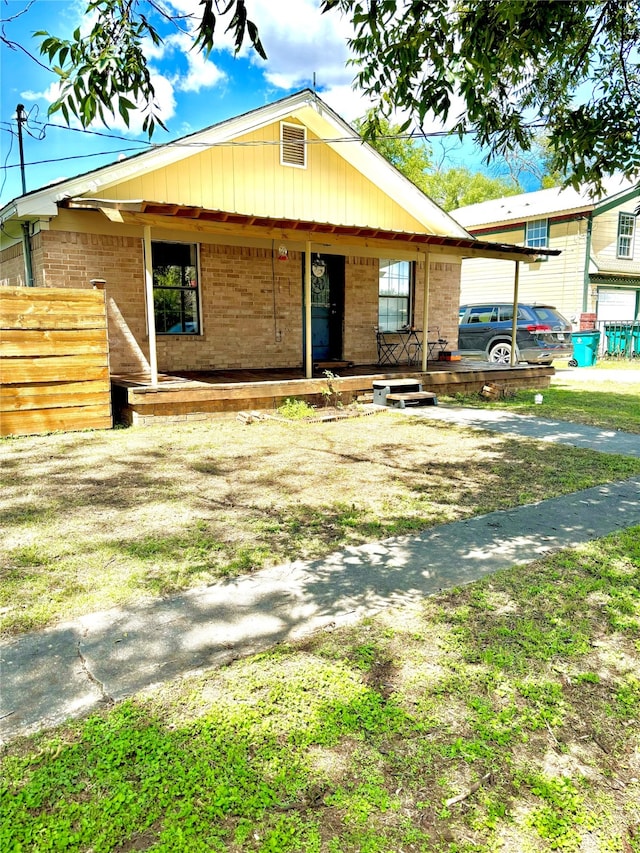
x,y
576,216
608,204
134,213
520,220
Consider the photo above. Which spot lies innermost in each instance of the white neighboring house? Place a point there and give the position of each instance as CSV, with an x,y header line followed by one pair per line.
x,y
598,270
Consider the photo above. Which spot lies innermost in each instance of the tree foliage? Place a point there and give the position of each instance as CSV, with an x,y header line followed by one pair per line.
x,y
411,157
507,65
459,186
450,188
499,67
106,69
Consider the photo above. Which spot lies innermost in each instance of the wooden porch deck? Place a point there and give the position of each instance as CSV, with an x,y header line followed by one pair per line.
x,y
200,395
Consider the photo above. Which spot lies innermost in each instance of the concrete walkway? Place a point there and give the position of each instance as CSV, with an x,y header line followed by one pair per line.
x,y
528,426
65,671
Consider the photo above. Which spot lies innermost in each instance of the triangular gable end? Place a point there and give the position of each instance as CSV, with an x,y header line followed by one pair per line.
x,y
405,207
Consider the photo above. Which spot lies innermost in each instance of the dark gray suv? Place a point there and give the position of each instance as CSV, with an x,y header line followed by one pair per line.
x,y
542,333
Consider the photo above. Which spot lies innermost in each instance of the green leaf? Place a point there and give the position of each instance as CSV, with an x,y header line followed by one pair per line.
x,y
123,109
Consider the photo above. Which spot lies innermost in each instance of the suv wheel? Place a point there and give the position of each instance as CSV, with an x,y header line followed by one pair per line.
x,y
500,353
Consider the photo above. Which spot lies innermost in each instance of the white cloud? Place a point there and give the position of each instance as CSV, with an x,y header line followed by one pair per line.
x,y
201,72
50,94
349,104
300,41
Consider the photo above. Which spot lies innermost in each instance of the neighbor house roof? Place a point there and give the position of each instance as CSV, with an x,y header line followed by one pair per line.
x,y
542,204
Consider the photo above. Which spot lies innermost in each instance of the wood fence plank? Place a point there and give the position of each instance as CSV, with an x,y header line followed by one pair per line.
x,y
52,420
31,342
79,397
54,360
88,321
18,393
10,305
53,295
14,371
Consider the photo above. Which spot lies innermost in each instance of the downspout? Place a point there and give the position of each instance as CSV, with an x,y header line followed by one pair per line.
x,y
514,325
587,259
308,350
425,314
28,263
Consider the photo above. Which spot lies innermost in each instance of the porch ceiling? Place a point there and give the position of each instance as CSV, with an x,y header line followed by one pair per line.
x,y
162,214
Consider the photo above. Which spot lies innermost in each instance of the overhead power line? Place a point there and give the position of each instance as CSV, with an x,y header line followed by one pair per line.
x,y
186,143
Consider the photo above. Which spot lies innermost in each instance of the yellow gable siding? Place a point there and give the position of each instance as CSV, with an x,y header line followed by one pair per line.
x,y
245,176
604,242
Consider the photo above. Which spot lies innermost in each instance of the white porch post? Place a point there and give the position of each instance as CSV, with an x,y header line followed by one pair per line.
x,y
514,325
425,313
308,348
151,316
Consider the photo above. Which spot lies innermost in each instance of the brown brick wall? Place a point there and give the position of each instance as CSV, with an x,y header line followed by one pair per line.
x,y
444,300
360,310
251,313
12,266
251,303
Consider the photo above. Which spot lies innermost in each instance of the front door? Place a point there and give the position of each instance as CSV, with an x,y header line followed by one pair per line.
x,y
327,306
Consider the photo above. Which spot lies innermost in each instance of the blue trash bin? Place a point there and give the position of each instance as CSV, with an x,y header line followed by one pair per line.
x,y
585,348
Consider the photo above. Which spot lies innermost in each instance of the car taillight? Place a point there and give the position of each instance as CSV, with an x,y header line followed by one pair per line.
x,y
538,327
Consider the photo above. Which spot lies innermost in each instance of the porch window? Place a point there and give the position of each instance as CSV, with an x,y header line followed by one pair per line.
x,y
394,294
537,233
626,227
175,288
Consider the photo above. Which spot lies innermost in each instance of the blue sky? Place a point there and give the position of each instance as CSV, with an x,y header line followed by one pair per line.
x,y
193,92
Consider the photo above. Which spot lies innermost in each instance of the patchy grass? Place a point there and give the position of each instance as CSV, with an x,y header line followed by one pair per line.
x,y
501,716
92,520
600,401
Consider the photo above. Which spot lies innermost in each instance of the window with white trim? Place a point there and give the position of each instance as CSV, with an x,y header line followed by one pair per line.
x,y
293,147
394,294
175,288
537,233
626,229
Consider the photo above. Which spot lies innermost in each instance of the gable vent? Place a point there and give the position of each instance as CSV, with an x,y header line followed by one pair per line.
x,y
292,145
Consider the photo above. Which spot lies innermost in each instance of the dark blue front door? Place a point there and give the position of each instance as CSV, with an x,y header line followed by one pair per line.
x,y
327,298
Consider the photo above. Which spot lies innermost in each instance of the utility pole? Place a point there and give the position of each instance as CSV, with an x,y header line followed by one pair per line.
x,y
21,118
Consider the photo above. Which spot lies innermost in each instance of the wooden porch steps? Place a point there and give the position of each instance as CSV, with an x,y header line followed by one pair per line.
x,y
412,398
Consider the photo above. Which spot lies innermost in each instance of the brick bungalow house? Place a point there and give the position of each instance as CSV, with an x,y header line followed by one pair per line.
x,y
275,239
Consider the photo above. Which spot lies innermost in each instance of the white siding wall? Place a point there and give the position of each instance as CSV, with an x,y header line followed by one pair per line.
x,y
605,234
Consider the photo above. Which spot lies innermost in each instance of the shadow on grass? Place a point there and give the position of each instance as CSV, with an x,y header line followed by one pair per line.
x,y
514,692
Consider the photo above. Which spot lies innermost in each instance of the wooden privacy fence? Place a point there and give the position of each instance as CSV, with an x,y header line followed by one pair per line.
x,y
54,360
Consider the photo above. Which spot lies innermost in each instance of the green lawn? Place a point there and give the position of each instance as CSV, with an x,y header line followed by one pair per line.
x,y
599,400
502,716
93,520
